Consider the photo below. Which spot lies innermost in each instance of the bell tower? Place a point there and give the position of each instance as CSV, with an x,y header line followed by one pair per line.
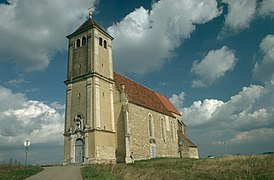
x,y
89,132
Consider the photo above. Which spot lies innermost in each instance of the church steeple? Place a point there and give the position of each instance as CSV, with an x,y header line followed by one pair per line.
x,y
91,45
89,100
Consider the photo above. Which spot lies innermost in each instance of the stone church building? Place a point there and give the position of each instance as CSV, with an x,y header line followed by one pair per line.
x,y
109,116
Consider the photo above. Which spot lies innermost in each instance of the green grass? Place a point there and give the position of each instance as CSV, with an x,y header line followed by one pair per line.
x,y
97,172
231,167
18,172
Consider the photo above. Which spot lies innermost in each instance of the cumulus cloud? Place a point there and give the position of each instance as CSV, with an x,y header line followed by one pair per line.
x,y
178,100
244,99
58,106
263,69
30,38
10,100
238,106
267,8
201,112
214,65
257,135
150,36
22,119
240,14
246,118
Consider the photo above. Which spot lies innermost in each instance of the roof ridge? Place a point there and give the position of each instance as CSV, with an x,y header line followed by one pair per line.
x,y
136,82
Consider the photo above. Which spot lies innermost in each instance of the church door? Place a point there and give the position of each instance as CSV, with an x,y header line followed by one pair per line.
x,y
79,151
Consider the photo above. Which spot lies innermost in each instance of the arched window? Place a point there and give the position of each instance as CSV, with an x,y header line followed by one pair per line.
x,y
150,126
78,43
84,40
163,129
172,130
105,44
100,41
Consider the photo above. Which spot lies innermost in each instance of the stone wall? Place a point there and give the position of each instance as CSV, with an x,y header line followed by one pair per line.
x,y
193,152
141,144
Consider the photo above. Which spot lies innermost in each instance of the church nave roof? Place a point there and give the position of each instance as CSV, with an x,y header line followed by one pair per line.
x,y
143,96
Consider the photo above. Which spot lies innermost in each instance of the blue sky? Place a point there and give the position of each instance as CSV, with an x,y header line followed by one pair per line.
x,y
213,59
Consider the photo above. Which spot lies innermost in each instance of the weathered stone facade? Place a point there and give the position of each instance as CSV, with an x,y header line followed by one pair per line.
x,y
142,143
108,116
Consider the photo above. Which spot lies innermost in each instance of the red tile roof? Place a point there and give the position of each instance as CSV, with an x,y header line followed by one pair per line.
x,y
168,104
143,96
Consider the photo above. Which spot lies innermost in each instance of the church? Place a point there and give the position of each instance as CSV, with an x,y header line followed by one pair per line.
x,y
109,118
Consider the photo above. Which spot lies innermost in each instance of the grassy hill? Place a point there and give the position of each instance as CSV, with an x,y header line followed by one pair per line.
x,y
231,167
17,172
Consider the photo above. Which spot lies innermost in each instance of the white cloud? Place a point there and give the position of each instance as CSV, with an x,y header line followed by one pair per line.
x,y
240,14
16,82
263,69
201,112
247,119
236,121
178,100
32,31
267,8
22,119
150,36
9,100
236,110
162,83
253,136
244,99
215,64
58,106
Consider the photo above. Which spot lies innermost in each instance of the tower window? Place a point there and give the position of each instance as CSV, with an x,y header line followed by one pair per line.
x,y
100,41
78,43
105,44
84,41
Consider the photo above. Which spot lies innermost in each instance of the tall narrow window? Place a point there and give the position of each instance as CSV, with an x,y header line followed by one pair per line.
x,y
78,43
105,44
84,40
150,126
163,129
172,130
100,41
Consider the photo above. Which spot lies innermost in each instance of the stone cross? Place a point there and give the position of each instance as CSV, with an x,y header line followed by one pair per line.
x,y
90,12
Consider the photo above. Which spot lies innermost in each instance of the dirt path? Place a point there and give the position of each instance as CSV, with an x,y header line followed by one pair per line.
x,y
58,173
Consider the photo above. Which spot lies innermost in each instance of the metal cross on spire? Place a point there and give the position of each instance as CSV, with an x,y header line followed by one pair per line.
x,y
90,12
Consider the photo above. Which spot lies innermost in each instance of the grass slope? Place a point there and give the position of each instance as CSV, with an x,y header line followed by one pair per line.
x,y
18,172
232,167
